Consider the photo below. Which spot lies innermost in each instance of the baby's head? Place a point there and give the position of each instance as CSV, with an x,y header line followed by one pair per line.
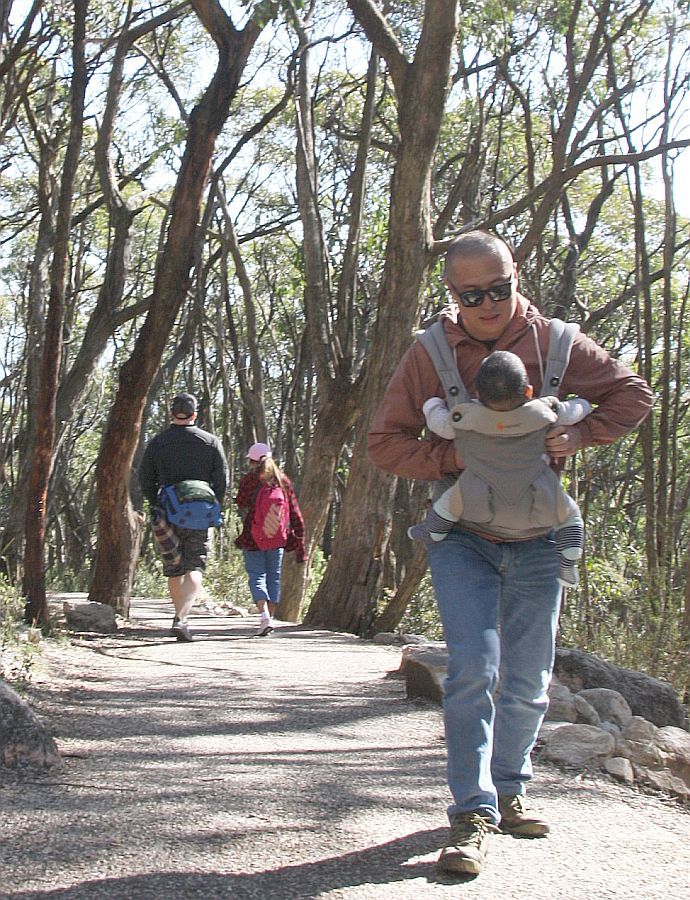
x,y
502,383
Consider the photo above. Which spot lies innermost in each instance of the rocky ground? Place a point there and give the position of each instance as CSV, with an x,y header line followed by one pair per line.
x,y
281,767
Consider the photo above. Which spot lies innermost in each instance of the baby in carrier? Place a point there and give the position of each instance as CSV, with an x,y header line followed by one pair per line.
x,y
507,488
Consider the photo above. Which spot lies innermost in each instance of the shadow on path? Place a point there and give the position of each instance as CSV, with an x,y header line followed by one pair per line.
x,y
387,863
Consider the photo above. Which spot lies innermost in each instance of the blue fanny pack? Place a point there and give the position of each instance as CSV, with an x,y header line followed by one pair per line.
x,y
190,504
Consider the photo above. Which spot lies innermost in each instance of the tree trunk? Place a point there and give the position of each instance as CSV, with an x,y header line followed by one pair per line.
x,y
118,525
36,610
346,597
330,322
12,540
330,431
391,615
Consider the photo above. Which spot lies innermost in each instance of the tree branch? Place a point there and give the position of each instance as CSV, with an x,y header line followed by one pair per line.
x,y
381,35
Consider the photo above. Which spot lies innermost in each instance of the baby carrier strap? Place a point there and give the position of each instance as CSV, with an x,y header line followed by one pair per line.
x,y
561,338
435,343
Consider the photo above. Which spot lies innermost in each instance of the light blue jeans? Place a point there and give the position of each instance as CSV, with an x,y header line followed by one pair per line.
x,y
263,571
499,606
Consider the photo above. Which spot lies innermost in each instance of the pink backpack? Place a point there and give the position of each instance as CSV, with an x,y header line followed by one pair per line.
x,y
271,520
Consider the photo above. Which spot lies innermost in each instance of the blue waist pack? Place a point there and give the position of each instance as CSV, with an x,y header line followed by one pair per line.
x,y
190,504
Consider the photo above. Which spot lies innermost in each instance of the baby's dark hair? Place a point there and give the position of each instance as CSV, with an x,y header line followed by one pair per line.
x,y
502,381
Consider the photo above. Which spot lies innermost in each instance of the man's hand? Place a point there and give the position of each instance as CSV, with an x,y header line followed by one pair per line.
x,y
563,441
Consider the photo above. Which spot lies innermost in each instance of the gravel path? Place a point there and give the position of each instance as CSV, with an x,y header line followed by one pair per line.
x,y
288,766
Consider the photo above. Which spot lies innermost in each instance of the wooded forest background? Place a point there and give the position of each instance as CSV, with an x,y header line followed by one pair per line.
x,y
251,200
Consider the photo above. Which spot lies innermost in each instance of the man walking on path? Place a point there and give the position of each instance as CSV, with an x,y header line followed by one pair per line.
x,y
498,599
184,452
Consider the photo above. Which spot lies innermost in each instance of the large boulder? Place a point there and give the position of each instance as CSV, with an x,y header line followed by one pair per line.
x,y
91,617
424,667
648,697
24,740
609,705
579,745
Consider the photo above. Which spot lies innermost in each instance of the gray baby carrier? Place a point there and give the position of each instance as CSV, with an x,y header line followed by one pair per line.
x,y
514,490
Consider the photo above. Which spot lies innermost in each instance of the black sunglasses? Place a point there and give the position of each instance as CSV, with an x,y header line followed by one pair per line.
x,y
476,296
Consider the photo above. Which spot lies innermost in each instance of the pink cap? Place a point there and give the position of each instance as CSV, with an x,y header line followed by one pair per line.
x,y
259,451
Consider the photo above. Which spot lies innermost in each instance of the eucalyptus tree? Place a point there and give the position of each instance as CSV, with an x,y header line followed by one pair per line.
x,y
42,455
420,80
331,239
531,113
31,49
119,524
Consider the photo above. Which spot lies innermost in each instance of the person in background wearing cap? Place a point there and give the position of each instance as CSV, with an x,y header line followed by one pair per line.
x,y
264,566
180,452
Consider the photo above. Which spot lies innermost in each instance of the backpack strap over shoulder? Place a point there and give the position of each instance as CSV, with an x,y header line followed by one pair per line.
x,y
561,337
436,345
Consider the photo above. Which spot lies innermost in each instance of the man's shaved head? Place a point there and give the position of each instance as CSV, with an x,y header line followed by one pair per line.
x,y
476,243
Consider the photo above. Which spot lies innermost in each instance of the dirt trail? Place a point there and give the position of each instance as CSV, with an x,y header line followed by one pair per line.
x,y
288,766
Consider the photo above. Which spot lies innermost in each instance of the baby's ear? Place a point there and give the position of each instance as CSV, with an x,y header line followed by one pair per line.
x,y
529,391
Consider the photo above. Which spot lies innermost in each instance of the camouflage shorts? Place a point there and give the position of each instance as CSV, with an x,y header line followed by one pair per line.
x,y
194,546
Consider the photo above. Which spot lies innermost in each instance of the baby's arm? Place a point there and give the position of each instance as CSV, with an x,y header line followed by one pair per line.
x,y
438,418
574,410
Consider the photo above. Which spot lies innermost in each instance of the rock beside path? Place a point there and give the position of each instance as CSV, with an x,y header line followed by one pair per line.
x,y
24,740
292,766
590,724
90,617
652,699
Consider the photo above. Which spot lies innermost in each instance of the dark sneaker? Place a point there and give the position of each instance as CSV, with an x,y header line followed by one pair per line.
x,y
172,627
264,630
516,818
181,632
468,844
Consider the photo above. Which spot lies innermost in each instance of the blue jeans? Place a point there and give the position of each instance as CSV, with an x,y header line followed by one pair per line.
x,y
499,606
263,571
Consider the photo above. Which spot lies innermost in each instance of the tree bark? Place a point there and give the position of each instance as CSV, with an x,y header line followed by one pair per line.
x,y
346,597
330,325
333,422
391,615
36,610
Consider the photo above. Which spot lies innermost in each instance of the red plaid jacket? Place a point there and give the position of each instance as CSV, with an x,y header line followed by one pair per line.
x,y
245,500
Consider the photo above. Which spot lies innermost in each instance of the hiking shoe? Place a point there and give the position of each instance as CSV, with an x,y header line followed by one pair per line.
x,y
174,623
264,630
181,631
468,844
517,819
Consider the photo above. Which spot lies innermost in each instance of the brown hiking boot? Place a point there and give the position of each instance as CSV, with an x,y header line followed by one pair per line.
x,y
468,844
517,819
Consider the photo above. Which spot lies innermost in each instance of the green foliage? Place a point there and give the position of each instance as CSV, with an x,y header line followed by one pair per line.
x,y
265,11
622,618
421,616
149,580
17,652
226,580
